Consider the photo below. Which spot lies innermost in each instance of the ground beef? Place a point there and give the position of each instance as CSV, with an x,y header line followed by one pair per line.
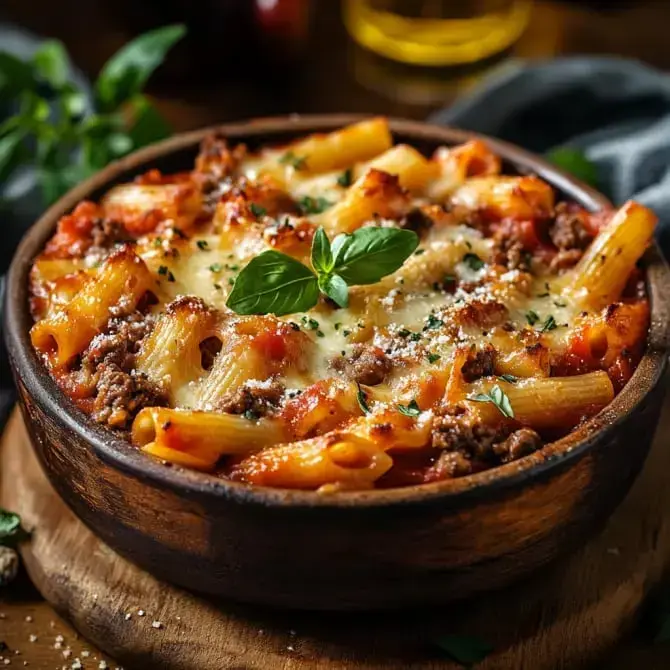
x,y
252,401
214,168
367,364
509,252
479,364
107,366
121,395
107,232
482,313
569,229
520,443
469,446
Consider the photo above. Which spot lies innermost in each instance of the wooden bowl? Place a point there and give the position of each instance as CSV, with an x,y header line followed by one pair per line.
x,y
363,550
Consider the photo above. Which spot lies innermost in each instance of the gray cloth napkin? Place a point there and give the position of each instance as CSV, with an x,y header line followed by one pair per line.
x,y
617,111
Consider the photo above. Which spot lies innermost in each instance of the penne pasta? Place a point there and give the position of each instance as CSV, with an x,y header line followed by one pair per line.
x,y
200,439
342,148
123,277
602,273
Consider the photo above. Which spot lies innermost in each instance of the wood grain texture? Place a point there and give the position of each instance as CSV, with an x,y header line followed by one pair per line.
x,y
565,617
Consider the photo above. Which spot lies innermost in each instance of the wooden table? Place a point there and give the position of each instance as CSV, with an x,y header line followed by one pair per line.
x,y
336,76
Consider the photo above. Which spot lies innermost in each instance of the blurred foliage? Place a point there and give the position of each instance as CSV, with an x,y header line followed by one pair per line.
x,y
59,131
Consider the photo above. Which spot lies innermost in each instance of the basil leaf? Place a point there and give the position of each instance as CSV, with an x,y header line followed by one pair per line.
x,y
126,72
497,397
15,76
322,257
335,288
11,152
148,125
273,283
52,63
369,254
410,410
467,650
576,163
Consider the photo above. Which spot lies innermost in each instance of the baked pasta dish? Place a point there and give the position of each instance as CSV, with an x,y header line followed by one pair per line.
x,y
341,313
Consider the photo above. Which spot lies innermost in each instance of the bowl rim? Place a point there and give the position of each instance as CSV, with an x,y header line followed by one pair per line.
x,y
118,453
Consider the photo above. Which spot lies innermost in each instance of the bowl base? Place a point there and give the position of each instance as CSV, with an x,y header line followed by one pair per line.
x,y
588,599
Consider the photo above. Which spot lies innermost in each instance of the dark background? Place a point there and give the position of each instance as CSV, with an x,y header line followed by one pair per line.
x,y
238,63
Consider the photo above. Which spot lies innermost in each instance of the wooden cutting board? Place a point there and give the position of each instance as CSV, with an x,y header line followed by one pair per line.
x,y
566,617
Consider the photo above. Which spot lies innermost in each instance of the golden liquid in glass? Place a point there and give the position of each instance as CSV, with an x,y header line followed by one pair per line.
x,y
436,32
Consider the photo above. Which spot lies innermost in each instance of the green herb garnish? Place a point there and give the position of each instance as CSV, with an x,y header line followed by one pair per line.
x,y
257,210
345,179
216,267
296,162
549,324
497,397
433,322
203,245
10,528
309,205
274,283
532,317
433,358
473,261
362,398
412,409
510,379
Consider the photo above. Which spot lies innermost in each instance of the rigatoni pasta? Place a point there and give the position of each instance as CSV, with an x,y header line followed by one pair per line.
x,y
341,313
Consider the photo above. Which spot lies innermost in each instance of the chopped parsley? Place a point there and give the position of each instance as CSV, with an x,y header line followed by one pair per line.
x,y
231,280
320,333
546,291
163,270
433,358
294,325
549,324
158,241
203,245
215,267
310,323
510,379
404,332
309,205
337,325
257,210
496,396
296,162
345,178
218,287
532,317
473,261
560,303
362,400
346,333
412,409
419,252
433,322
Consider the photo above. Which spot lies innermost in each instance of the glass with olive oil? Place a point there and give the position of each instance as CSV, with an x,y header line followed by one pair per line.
x,y
436,32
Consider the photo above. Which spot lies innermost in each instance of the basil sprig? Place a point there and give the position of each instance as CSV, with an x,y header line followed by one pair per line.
x,y
496,397
58,131
274,283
